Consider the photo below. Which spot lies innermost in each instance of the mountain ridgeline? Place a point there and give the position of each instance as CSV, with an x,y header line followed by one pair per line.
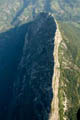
x,y
27,55
26,70
20,11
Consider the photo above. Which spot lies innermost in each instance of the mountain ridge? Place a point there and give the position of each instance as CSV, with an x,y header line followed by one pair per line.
x,y
13,15
31,64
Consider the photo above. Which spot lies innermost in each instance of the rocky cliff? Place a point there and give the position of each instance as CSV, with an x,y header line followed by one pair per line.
x,y
31,87
54,115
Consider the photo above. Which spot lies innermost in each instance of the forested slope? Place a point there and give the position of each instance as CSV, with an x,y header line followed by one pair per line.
x,y
69,57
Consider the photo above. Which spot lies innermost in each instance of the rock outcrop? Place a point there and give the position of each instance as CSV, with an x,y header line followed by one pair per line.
x,y
56,76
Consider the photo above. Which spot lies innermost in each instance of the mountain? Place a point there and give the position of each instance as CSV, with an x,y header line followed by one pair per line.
x,y
66,10
26,69
36,70
23,11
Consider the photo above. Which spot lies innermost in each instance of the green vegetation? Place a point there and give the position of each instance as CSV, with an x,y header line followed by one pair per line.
x,y
69,58
63,10
67,12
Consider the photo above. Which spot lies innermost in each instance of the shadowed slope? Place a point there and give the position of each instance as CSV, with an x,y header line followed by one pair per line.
x,y
11,45
28,75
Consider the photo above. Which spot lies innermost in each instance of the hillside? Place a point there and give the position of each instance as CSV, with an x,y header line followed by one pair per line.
x,y
66,10
27,55
26,69
21,11
69,57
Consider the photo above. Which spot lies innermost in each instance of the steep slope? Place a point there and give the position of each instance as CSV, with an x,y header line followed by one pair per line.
x,y
36,69
11,45
69,85
31,70
56,76
17,12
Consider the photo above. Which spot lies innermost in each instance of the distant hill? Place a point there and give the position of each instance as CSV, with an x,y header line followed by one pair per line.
x,y
66,9
21,10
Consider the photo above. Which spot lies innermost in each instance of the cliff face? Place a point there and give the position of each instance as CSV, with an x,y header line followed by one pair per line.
x,y
56,76
26,62
36,69
31,87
